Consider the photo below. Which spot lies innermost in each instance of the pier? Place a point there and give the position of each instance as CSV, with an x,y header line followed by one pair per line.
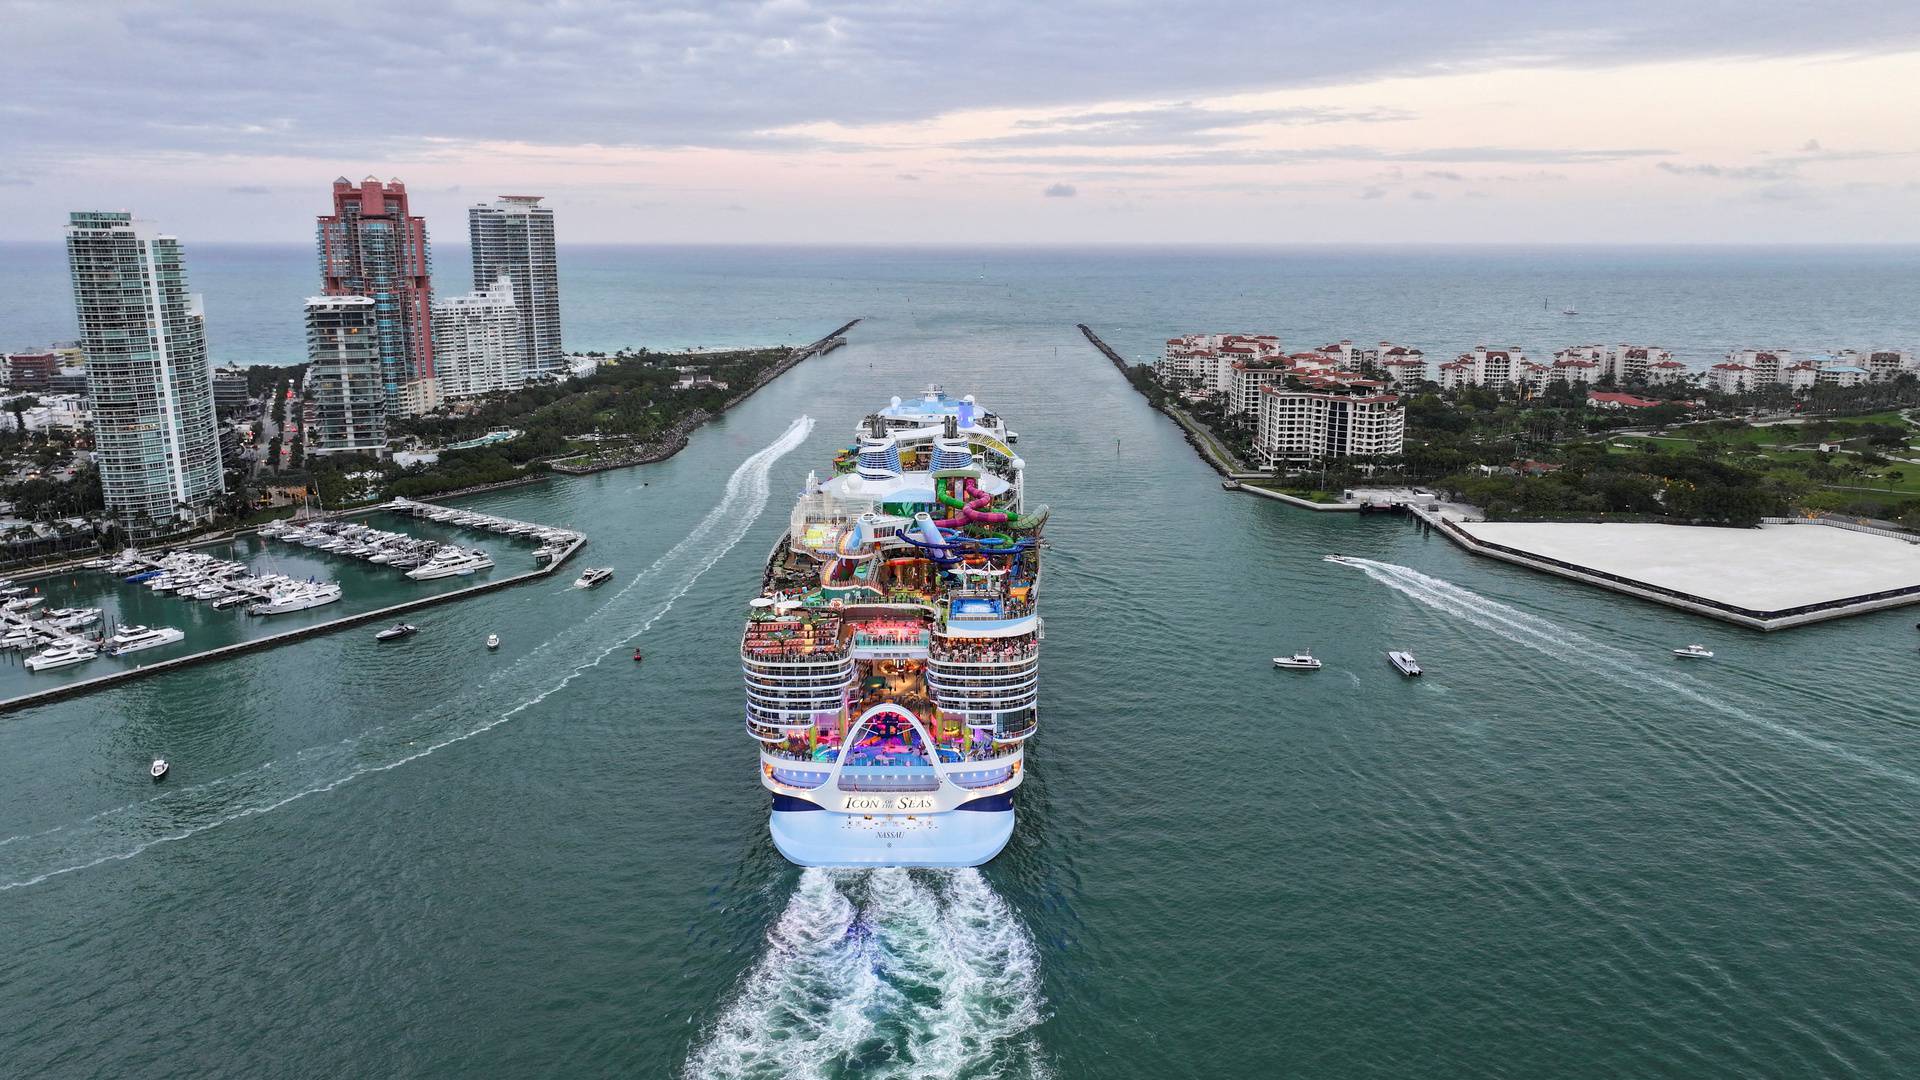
x,y
1778,576
102,682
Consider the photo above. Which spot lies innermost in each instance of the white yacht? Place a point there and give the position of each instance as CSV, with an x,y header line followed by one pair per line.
x,y
296,597
1300,661
63,656
1404,662
135,638
493,641
1694,652
592,576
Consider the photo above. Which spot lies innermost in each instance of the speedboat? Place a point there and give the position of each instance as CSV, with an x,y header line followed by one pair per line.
x,y
1694,652
25,603
158,770
396,632
1335,558
1300,661
591,576
63,656
493,641
1404,662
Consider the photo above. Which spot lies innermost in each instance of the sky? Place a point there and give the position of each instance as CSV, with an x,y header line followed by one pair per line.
x,y
916,121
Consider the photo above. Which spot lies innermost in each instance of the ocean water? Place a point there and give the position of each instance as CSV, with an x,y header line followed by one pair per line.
x,y
1560,853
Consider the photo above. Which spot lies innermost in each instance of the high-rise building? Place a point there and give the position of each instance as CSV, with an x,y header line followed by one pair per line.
x,y
477,341
372,246
514,236
144,336
346,400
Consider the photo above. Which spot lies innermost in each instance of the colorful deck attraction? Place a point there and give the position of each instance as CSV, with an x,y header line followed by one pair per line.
x,y
892,656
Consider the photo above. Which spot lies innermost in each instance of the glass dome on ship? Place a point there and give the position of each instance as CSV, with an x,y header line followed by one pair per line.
x,y
892,656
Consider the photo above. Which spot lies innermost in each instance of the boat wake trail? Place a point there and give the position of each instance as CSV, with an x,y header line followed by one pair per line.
x,y
125,831
882,974
1545,636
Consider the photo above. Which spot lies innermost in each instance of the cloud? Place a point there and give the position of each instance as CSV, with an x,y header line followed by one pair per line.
x,y
1373,193
733,73
1060,191
1423,196
15,181
1296,155
1182,124
1811,146
905,176
249,189
1444,174
1727,172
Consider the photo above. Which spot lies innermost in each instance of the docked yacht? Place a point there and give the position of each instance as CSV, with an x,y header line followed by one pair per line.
x,y
1300,661
592,576
135,638
296,597
451,562
1694,652
63,656
72,618
1403,662
23,604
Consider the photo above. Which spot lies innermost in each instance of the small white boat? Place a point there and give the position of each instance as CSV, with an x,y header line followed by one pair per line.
x,y
1335,558
158,770
493,641
1694,652
1300,661
1403,662
396,632
592,576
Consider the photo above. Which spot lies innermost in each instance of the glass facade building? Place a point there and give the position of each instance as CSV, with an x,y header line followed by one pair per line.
x,y
513,237
346,406
144,335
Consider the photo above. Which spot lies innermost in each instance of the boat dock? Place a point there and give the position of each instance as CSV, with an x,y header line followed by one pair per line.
x,y
102,682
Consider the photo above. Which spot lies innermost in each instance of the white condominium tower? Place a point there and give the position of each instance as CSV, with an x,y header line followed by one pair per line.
x,y
144,337
346,400
477,341
514,236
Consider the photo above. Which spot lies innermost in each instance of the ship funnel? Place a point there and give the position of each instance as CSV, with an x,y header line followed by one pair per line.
x,y
879,457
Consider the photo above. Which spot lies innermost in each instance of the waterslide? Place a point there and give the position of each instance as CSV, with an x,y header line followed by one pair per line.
x,y
971,508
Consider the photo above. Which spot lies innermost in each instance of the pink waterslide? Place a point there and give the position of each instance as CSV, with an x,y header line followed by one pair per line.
x,y
971,514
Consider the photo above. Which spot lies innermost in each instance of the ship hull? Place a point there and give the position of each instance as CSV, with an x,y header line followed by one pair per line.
x,y
826,838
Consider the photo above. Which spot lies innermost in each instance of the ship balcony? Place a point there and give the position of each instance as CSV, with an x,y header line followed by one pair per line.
x,y
787,719
796,661
836,681
1007,725
971,682
982,700
798,700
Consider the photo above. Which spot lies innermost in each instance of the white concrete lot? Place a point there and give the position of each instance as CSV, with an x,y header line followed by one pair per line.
x,y
1765,569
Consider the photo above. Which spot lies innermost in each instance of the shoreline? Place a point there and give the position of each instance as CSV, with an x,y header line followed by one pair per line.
x,y
1194,439
682,431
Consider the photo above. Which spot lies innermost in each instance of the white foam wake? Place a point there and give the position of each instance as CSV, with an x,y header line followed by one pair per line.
x,y
1584,653
884,974
126,831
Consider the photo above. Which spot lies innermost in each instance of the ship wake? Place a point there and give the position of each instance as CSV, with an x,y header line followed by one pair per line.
x,y
126,831
882,974
1584,653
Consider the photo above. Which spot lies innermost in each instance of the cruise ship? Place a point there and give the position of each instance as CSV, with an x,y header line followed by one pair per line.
x,y
892,655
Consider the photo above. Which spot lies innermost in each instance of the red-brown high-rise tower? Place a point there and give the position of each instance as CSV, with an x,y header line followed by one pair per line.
x,y
372,246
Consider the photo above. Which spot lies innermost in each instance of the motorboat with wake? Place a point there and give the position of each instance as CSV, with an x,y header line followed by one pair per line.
x,y
1300,661
396,632
1694,652
592,577
1403,662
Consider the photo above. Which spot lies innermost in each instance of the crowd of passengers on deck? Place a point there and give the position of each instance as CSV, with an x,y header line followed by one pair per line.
x,y
985,650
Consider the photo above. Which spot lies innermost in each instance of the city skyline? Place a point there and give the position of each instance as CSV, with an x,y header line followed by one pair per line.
x,y
796,122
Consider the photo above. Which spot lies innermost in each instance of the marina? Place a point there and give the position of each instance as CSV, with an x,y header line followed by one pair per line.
x,y
271,590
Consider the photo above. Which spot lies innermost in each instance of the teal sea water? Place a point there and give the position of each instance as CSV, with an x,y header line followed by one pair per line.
x,y
1561,853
